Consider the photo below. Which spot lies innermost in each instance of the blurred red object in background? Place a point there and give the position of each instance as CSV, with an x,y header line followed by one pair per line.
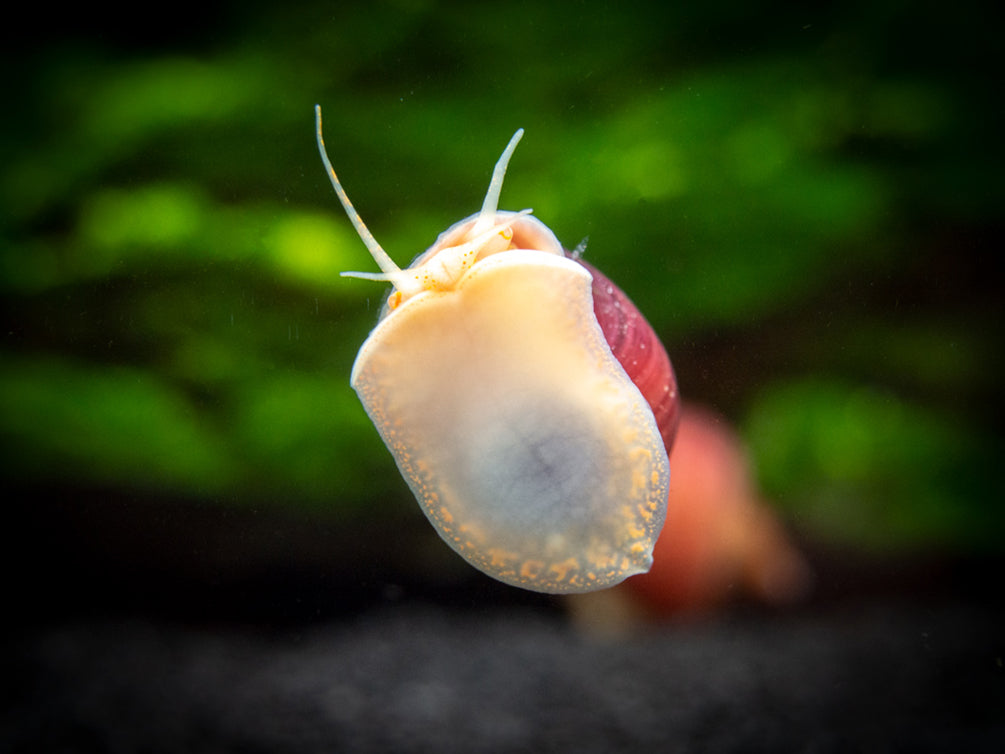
x,y
721,541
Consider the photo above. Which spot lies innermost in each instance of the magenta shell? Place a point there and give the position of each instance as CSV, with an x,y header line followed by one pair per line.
x,y
639,351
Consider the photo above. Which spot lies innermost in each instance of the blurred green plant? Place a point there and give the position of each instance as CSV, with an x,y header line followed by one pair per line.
x,y
858,465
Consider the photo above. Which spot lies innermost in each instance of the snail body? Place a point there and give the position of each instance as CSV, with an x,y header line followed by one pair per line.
x,y
491,381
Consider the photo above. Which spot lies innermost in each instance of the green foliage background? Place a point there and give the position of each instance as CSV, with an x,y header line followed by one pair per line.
x,y
804,200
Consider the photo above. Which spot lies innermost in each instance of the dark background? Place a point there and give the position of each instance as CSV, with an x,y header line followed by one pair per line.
x,y
805,202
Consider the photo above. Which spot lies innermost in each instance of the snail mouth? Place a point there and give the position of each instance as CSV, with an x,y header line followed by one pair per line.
x,y
528,233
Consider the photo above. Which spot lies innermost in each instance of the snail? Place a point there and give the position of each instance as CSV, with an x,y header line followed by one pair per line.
x,y
526,401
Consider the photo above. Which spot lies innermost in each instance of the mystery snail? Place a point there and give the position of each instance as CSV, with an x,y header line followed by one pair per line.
x,y
526,401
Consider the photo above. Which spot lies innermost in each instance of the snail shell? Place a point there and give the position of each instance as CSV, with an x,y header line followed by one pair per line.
x,y
490,379
640,352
